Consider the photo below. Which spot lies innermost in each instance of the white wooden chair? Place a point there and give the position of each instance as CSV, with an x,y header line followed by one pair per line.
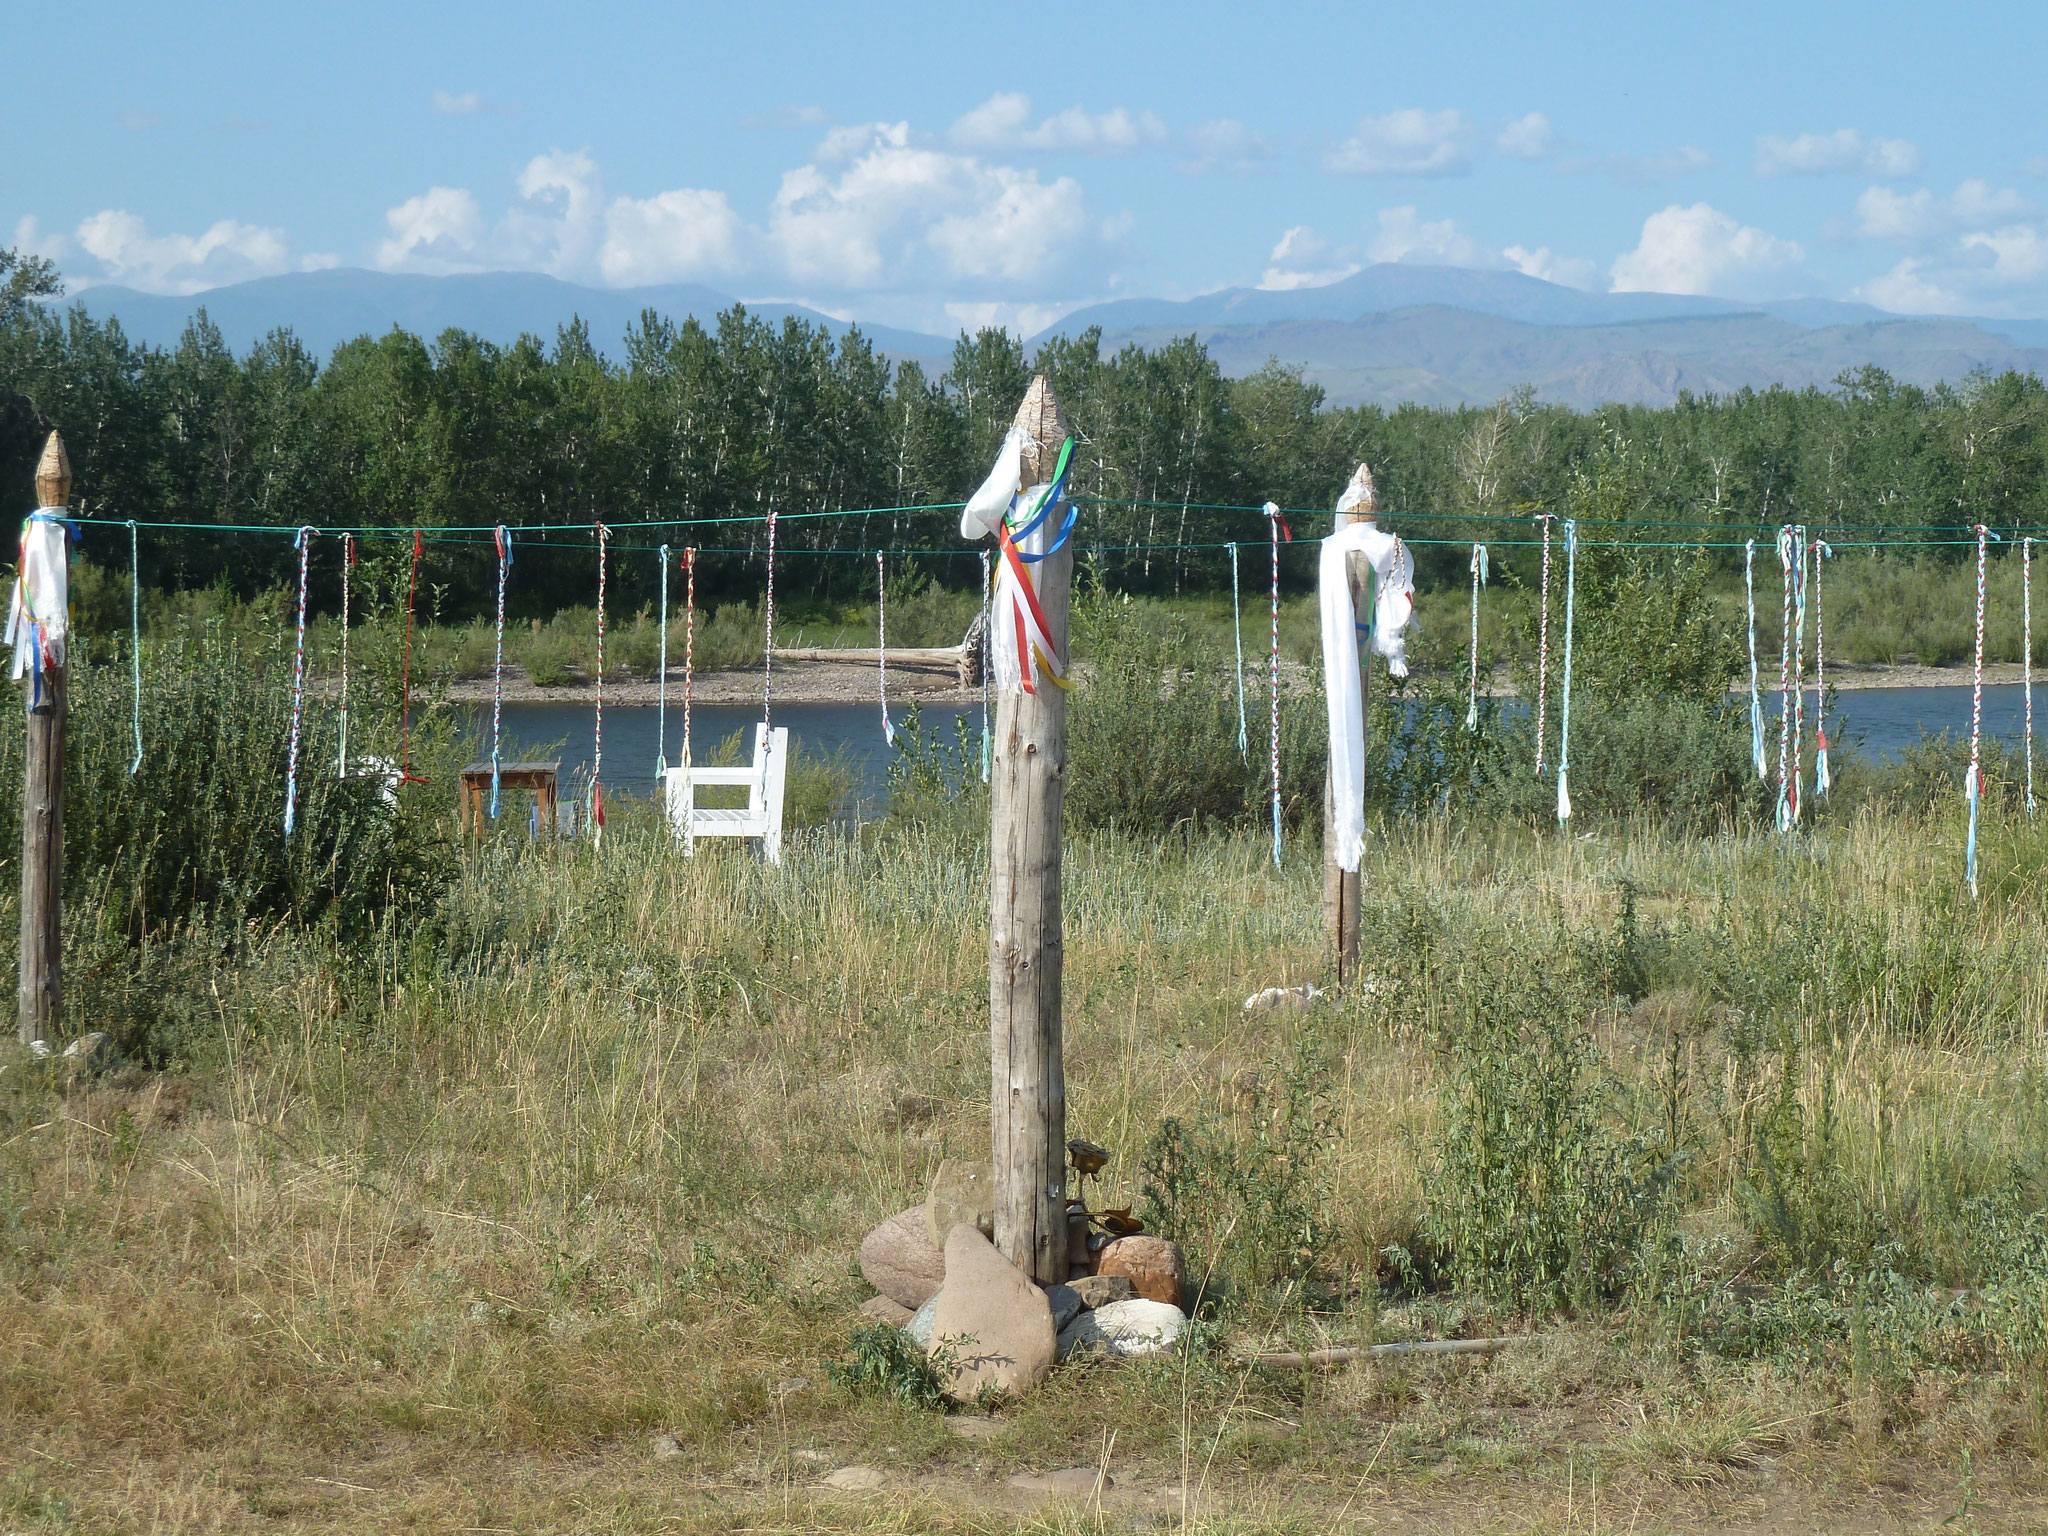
x,y
762,815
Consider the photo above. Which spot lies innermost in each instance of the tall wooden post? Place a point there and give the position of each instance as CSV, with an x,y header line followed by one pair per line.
x,y
1341,887
42,815
1026,782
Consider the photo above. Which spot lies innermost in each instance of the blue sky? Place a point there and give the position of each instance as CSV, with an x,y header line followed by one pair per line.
x,y
934,165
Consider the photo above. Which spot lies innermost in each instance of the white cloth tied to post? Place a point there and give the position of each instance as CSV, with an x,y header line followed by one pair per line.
x,y
1393,571
39,615
1018,636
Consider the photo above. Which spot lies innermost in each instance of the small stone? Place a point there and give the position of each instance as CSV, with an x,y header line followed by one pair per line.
x,y
1101,1290
920,1325
1065,1301
885,1309
994,1317
94,1048
961,1192
40,1049
899,1260
1127,1328
1067,1483
1153,1265
855,1479
666,1447
974,1426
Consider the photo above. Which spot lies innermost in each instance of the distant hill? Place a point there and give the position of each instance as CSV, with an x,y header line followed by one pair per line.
x,y
1388,334
327,308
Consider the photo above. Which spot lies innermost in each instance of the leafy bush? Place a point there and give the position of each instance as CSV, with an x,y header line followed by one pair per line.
x,y
546,654
1535,1197
1243,1196
887,1363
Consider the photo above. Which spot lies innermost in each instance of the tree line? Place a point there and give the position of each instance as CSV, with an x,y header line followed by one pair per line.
x,y
733,419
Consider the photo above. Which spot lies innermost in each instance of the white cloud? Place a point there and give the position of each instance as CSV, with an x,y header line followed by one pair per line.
x,y
1304,259
1980,250
900,213
1003,122
1405,236
686,233
1817,154
228,252
1409,142
1919,216
1571,271
1528,138
1018,319
32,239
449,104
1223,145
440,225
1703,250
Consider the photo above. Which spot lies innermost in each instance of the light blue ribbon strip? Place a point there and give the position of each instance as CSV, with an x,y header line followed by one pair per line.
x,y
504,541
1244,746
1756,698
1564,728
135,638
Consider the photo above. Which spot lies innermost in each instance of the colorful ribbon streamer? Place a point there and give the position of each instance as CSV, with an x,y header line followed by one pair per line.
x,y
1756,700
1244,749
661,685
1788,783
2027,656
1973,787
597,743
135,639
503,537
304,543
882,644
1478,581
1543,643
348,564
1279,530
1822,780
689,645
1564,725
987,664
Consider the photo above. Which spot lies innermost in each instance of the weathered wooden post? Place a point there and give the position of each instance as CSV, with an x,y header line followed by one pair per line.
x,y
1341,887
42,809
1026,783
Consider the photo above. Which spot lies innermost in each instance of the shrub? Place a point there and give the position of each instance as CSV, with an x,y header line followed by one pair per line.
x,y
546,654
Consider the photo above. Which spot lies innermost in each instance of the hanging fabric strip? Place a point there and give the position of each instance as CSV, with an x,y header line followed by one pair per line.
x,y
1800,553
661,686
1278,528
1821,778
1786,788
987,663
1564,724
1393,582
1543,642
1244,748
1478,581
1014,516
2027,656
597,743
405,773
1756,698
689,646
503,536
1973,788
348,564
768,641
304,542
39,617
660,691
882,644
135,639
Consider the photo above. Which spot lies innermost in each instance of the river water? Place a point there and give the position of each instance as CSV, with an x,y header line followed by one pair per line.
x,y
1880,721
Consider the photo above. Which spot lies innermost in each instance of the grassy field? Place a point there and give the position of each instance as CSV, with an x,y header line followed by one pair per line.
x,y
441,1226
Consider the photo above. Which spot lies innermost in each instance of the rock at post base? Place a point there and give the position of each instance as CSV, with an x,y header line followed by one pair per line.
x,y
1101,1290
920,1325
1128,1328
995,1320
1153,1265
885,1309
900,1261
1065,1302
961,1193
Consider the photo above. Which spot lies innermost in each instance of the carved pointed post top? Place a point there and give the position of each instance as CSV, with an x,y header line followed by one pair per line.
x,y
1045,424
53,474
1360,502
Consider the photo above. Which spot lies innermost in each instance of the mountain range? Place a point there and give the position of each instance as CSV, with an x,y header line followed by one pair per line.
x,y
1390,334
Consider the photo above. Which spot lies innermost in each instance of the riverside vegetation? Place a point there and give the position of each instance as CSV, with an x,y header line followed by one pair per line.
x,y
518,1188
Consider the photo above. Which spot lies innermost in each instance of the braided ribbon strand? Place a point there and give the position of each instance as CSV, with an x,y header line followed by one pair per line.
x,y
348,565
1973,787
1543,643
1278,529
503,537
661,686
597,745
882,644
1564,726
135,638
1478,581
1244,750
304,542
1822,780
1788,789
2027,656
1756,701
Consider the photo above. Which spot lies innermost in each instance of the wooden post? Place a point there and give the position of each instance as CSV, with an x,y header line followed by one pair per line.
x,y
1028,1098
1341,887
42,816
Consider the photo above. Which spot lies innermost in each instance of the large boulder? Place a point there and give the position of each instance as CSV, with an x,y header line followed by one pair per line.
x,y
1128,1328
900,1261
1153,1265
962,1193
996,1322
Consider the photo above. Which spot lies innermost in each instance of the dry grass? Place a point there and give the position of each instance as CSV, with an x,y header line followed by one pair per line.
x,y
439,1233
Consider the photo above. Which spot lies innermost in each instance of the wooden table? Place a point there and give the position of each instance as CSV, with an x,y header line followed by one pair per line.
x,y
476,788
